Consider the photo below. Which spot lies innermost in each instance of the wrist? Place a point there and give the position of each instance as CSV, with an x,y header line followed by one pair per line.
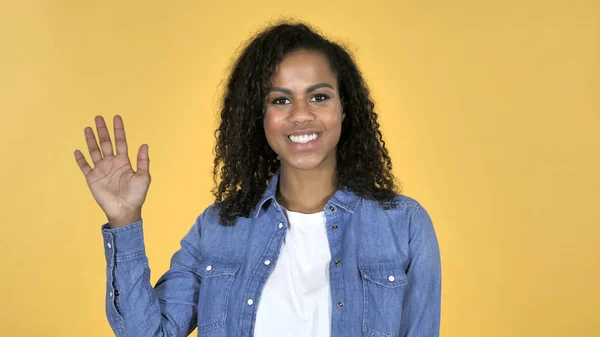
x,y
125,220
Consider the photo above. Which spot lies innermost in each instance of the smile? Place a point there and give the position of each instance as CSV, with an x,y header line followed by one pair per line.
x,y
303,139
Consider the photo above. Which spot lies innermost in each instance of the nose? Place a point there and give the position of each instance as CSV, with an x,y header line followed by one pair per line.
x,y
301,113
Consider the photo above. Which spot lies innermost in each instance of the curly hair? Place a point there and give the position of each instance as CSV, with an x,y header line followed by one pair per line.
x,y
243,158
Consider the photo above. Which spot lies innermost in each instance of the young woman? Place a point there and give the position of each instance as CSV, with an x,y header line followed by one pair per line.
x,y
308,235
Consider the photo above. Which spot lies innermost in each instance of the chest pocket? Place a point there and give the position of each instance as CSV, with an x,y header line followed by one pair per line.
x,y
383,289
216,278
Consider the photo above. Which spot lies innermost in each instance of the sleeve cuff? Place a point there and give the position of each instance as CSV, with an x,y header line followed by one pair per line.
x,y
123,243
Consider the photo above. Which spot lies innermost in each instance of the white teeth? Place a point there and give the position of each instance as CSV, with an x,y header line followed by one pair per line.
x,y
303,138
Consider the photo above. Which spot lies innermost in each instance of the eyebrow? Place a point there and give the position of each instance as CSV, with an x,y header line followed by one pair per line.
x,y
309,89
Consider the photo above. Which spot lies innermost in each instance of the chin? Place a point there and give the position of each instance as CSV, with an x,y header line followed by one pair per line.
x,y
307,163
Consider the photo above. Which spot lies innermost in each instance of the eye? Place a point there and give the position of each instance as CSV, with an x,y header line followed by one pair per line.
x,y
280,101
320,97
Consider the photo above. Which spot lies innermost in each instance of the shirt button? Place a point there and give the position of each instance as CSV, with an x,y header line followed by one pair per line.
x,y
340,304
334,227
208,268
109,245
116,292
331,208
110,294
250,301
391,278
267,262
280,225
337,263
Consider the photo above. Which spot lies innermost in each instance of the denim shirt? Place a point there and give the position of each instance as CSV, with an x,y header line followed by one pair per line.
x,y
385,282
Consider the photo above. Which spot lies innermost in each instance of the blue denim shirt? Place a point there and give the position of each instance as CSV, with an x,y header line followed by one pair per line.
x,y
387,284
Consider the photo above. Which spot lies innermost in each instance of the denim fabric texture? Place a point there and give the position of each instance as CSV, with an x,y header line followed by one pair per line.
x,y
387,284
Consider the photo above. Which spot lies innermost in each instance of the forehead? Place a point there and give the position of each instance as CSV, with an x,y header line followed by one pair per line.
x,y
304,66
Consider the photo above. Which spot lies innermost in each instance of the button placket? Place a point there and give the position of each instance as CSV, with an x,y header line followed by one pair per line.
x,y
334,218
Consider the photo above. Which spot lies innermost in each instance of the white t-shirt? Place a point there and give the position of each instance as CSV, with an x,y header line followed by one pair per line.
x,y
296,299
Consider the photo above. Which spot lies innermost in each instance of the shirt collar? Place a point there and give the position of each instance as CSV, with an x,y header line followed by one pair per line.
x,y
342,197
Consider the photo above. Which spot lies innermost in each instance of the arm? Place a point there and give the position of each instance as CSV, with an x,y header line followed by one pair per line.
x,y
133,307
421,311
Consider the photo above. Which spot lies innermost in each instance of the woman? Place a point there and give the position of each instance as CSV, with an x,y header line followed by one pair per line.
x,y
307,235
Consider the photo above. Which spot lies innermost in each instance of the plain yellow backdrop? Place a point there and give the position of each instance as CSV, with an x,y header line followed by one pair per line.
x,y
490,110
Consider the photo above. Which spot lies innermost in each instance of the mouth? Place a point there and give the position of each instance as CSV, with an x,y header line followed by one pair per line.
x,y
304,138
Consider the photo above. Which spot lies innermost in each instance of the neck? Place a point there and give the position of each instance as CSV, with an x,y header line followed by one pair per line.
x,y
305,191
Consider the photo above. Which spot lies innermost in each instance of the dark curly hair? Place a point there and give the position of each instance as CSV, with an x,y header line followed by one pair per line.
x,y
243,158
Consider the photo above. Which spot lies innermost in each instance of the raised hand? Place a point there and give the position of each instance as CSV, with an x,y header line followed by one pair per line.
x,y
118,189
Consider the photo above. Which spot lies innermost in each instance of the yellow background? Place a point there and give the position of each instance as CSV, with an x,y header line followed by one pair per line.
x,y
491,111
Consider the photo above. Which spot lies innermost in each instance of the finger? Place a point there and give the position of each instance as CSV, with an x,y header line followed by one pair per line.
x,y
83,164
92,145
143,161
120,140
105,143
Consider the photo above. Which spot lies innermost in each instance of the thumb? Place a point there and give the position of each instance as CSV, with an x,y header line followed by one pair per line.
x,y
143,161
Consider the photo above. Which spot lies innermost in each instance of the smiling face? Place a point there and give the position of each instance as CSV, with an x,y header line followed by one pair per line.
x,y
303,119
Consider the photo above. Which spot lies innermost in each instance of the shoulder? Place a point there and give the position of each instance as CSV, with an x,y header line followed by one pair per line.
x,y
402,203
211,217
208,216
407,202
406,212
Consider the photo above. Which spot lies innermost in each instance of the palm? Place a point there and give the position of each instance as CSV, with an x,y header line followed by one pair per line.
x,y
117,188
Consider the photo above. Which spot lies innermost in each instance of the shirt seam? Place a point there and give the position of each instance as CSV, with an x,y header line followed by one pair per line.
x,y
124,257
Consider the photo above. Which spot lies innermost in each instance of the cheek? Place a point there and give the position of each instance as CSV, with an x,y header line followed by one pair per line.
x,y
335,121
336,126
271,126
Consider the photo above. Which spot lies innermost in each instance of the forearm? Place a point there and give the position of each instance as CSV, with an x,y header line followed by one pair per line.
x,y
132,305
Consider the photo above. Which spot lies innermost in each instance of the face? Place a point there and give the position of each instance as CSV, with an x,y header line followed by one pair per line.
x,y
303,119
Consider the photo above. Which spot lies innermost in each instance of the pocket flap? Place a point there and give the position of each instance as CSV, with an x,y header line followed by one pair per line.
x,y
212,265
387,274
